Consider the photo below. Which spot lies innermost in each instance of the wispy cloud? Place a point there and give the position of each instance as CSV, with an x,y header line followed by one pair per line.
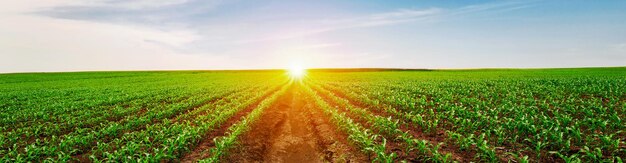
x,y
230,33
192,13
138,4
372,20
495,6
394,17
318,46
403,14
141,12
399,16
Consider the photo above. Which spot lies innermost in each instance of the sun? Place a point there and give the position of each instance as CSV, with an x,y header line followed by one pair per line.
x,y
296,72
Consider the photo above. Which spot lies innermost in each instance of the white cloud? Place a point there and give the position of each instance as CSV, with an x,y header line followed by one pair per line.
x,y
506,5
404,13
140,4
63,35
372,20
36,43
25,6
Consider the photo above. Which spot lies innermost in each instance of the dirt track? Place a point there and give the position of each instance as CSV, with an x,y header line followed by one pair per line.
x,y
293,130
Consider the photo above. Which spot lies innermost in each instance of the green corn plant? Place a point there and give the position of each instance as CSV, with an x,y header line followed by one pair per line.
x,y
439,157
485,151
381,156
568,159
594,155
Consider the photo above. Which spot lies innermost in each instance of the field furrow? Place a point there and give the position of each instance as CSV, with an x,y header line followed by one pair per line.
x,y
287,132
208,140
542,115
409,127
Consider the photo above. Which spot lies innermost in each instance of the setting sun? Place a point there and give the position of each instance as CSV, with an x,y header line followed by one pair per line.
x,y
296,71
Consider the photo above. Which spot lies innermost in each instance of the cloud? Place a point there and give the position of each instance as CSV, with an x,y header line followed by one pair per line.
x,y
495,6
200,34
372,20
139,4
38,43
403,14
158,14
191,14
387,18
318,46
398,16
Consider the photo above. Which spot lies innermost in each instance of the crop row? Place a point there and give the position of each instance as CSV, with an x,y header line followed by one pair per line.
x,y
158,119
543,118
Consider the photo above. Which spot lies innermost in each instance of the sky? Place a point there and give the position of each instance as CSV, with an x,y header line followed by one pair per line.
x,y
101,35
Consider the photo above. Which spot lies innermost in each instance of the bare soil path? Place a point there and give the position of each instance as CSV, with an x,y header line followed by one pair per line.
x,y
293,130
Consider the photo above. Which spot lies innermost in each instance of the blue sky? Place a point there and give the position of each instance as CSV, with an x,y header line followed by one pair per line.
x,y
78,35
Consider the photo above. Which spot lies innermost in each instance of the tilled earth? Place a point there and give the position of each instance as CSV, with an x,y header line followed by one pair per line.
x,y
294,130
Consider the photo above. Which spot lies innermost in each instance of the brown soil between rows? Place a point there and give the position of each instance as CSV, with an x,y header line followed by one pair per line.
x,y
202,150
293,130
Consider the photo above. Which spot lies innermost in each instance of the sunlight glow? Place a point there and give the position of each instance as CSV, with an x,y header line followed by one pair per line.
x,y
296,71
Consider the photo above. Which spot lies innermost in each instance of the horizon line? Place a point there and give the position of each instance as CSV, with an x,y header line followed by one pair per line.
x,y
351,69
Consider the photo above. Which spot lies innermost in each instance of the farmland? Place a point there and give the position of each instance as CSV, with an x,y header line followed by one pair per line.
x,y
365,115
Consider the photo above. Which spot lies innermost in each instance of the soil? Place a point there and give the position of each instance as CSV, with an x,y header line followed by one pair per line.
x,y
202,150
294,130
